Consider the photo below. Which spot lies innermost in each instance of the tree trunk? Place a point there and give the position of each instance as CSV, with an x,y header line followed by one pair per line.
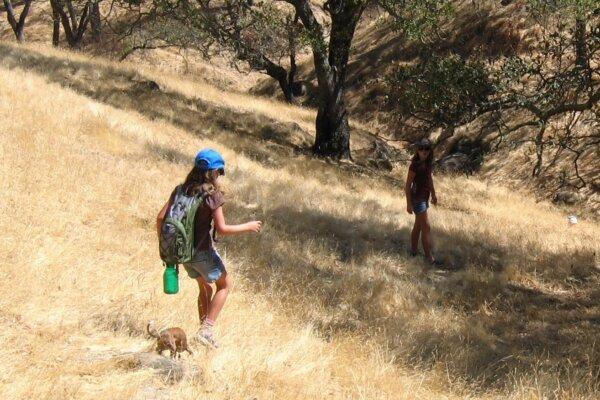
x,y
72,14
332,128
55,27
73,31
293,33
539,150
286,88
21,26
581,50
81,27
278,73
10,15
95,21
18,27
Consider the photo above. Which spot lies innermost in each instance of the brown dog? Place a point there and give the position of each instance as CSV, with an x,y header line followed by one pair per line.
x,y
173,339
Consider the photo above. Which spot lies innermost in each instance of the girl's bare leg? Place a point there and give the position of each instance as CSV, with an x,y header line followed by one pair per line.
x,y
216,304
414,236
425,235
204,298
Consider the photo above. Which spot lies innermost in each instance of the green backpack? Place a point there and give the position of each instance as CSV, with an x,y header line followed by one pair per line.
x,y
176,242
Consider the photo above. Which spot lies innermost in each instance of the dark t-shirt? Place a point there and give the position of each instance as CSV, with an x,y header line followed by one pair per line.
x,y
204,219
421,186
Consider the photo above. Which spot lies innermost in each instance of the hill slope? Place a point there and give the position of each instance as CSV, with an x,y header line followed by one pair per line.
x,y
483,30
326,304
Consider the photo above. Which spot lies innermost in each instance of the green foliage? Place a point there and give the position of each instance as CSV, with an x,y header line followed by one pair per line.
x,y
554,76
563,8
266,29
417,18
257,34
557,90
441,91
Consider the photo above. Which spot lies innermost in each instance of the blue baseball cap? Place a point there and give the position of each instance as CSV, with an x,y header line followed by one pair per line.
x,y
209,159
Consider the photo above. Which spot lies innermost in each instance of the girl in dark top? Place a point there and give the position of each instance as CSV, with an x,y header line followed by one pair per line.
x,y
207,266
419,186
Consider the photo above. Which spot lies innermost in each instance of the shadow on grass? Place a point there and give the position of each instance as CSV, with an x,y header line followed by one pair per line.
x,y
127,90
520,329
272,143
345,275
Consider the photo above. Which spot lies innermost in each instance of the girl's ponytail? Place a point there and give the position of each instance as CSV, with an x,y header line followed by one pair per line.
x,y
200,180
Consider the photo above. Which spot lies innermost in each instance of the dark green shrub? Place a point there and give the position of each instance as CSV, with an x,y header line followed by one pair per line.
x,y
439,91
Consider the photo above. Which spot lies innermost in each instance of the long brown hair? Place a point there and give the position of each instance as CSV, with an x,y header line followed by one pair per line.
x,y
428,161
201,180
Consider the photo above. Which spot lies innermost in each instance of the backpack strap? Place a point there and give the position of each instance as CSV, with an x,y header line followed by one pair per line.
x,y
178,189
191,221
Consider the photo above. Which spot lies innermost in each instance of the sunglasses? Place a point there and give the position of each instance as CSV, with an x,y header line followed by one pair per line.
x,y
423,148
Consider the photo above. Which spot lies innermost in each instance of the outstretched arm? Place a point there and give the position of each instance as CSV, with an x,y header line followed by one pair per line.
x,y
224,229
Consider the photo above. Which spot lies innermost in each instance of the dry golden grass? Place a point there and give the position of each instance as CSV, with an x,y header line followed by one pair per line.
x,y
326,302
193,89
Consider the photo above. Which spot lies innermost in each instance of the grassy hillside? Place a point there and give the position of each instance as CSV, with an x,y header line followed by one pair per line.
x,y
327,303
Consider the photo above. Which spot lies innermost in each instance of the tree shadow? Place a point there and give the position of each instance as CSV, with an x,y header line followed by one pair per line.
x,y
128,90
272,143
523,328
169,154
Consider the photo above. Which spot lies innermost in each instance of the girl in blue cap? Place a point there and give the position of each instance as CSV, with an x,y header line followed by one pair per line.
x,y
207,266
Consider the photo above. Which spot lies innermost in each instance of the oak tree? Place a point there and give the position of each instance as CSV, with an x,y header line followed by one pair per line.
x,y
268,34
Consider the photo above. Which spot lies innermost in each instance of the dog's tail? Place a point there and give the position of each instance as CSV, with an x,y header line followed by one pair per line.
x,y
152,331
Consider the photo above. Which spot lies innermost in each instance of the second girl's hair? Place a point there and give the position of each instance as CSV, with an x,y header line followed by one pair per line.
x,y
201,180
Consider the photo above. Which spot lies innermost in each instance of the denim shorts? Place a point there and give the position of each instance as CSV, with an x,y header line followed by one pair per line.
x,y
420,206
207,264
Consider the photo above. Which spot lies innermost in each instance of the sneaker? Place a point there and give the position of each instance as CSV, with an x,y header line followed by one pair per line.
x,y
207,338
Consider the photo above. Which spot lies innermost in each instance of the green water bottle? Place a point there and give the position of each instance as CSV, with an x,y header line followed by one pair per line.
x,y
171,279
